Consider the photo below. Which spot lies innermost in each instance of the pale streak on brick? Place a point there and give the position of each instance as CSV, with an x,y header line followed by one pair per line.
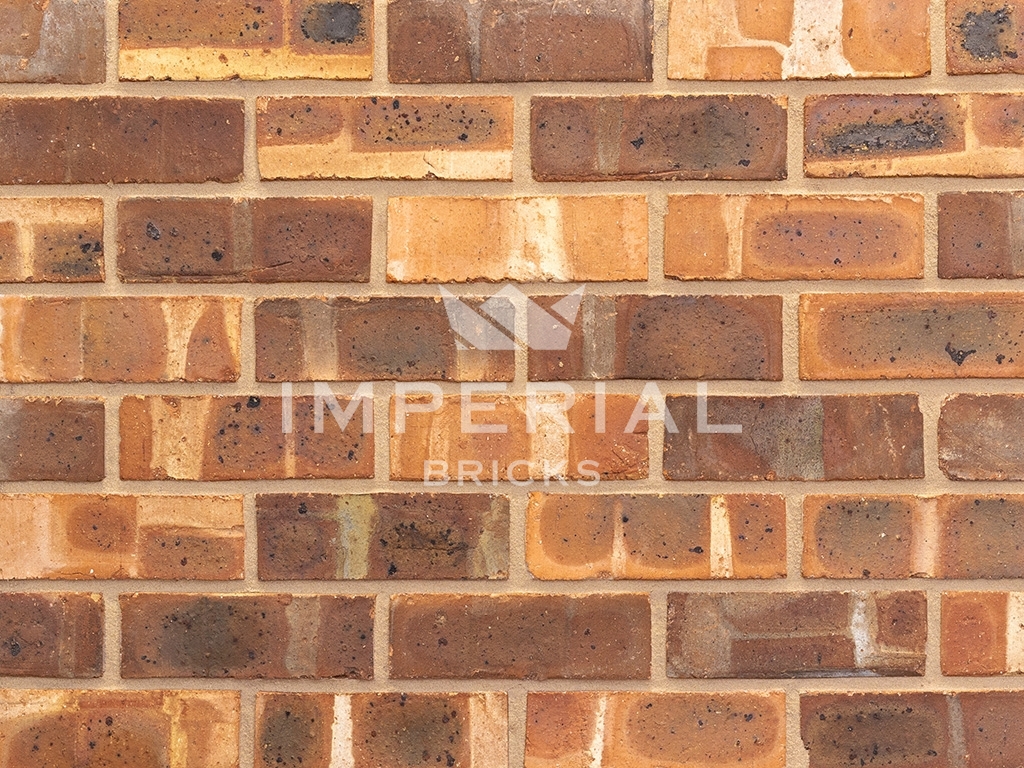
x,y
599,331
356,516
550,442
27,538
816,49
181,317
178,436
721,539
319,340
303,615
488,737
255,63
341,733
597,742
926,533
860,631
1015,633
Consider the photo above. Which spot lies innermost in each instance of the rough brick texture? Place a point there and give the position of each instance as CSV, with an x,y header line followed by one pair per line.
x,y
51,439
984,37
56,41
978,437
51,240
51,634
979,234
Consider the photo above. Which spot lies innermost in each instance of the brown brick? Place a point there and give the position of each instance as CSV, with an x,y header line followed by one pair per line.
x,y
658,137
979,235
970,134
758,40
386,137
803,634
794,237
532,637
849,730
381,730
51,439
51,634
984,37
271,40
576,536
978,637
143,729
393,338
57,41
991,727
382,536
71,536
122,339
529,239
120,139
832,437
669,337
502,41
220,437
979,437
51,240
435,438
246,636
262,240
671,730
904,335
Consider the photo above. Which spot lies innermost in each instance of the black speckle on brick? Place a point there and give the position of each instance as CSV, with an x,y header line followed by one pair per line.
x,y
958,355
984,34
152,231
217,255
898,136
333,23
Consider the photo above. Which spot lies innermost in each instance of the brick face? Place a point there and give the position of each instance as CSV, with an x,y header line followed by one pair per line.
x,y
51,635
51,240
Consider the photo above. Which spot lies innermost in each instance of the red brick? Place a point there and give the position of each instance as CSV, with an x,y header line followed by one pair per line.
x,y
979,236
532,637
246,636
991,727
392,338
977,634
656,537
220,437
979,437
143,729
381,730
58,41
658,137
46,634
794,237
51,240
984,37
51,439
832,437
503,41
382,536
78,536
122,339
668,337
670,730
120,139
262,240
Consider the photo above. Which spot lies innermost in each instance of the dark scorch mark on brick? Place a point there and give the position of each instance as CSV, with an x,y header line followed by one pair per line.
x,y
958,355
897,136
332,23
983,31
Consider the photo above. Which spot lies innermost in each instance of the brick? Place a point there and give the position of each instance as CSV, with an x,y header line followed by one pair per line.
x,y
751,40
51,439
984,37
502,41
794,237
262,240
968,134
273,40
803,634
120,339
51,240
529,239
576,536
46,634
59,41
978,635
79,536
978,437
672,730
569,444
979,236
910,335
669,337
897,537
530,637
658,137
369,137
220,437
120,139
831,437
246,636
382,536
390,338
188,729
379,730
992,727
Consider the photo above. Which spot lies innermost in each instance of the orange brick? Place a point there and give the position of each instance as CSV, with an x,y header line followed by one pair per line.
x,y
984,37
780,39
123,339
562,239
979,235
190,729
978,637
51,240
71,536
794,237
271,40
670,730
386,137
979,437
220,437
656,537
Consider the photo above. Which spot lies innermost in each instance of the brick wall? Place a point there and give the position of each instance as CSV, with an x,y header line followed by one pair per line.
x,y
257,338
